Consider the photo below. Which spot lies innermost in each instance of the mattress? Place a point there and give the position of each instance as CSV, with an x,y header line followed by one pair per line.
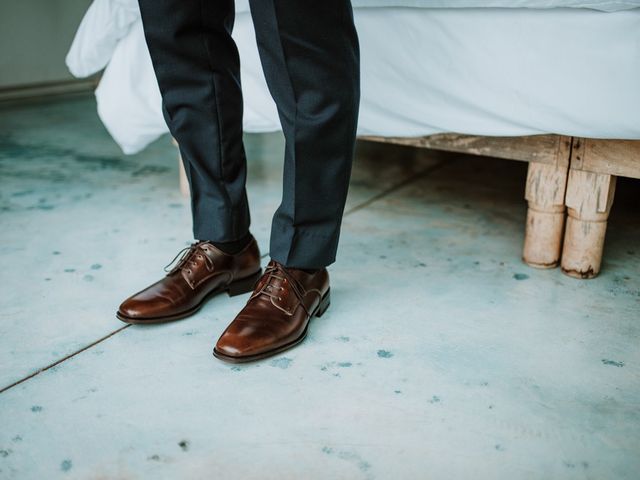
x,y
481,71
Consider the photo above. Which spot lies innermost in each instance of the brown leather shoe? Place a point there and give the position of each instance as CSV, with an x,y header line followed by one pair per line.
x,y
277,315
202,272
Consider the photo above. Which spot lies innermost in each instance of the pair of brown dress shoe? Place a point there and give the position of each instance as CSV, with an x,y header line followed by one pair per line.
x,y
275,318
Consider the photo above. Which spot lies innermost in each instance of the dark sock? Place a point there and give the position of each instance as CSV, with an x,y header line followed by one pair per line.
x,y
310,271
231,248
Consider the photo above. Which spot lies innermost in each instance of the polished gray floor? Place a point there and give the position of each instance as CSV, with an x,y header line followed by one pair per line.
x,y
442,356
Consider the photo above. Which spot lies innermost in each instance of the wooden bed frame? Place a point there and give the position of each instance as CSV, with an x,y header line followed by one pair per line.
x,y
570,187
567,177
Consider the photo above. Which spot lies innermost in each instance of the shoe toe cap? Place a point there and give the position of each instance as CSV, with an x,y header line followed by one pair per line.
x,y
230,345
140,309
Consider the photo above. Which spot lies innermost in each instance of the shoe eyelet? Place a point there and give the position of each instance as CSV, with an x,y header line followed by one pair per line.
x,y
280,298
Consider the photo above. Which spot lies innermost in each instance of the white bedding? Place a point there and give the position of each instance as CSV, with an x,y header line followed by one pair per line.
x,y
602,5
477,71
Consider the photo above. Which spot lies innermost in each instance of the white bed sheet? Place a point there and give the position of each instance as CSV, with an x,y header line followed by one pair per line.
x,y
476,71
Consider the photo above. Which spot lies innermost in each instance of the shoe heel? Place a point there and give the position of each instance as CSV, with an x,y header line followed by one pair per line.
x,y
243,285
324,304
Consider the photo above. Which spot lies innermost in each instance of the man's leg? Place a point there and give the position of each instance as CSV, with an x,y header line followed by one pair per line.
x,y
198,71
309,53
310,56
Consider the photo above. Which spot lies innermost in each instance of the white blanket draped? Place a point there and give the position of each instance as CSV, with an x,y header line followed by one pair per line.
x,y
481,71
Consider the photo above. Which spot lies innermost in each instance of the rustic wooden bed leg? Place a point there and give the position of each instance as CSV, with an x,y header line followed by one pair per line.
x,y
545,218
184,183
589,199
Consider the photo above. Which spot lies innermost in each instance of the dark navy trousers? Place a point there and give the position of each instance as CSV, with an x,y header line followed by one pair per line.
x,y
310,56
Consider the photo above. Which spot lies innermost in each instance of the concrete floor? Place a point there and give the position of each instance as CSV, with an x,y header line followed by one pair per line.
x,y
441,357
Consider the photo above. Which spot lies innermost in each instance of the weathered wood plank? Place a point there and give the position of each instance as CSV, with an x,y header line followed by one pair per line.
x,y
611,157
550,149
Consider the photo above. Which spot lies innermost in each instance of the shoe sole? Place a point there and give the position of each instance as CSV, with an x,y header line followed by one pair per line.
x,y
238,287
318,312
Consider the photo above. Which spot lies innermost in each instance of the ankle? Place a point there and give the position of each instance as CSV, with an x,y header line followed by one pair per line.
x,y
310,271
235,246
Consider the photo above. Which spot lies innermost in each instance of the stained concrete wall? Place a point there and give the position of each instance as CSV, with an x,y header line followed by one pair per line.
x,y
35,36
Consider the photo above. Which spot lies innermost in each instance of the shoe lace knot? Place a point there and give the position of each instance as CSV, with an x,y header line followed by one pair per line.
x,y
187,258
272,289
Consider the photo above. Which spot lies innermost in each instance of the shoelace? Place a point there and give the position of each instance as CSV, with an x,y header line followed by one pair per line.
x,y
271,271
187,256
